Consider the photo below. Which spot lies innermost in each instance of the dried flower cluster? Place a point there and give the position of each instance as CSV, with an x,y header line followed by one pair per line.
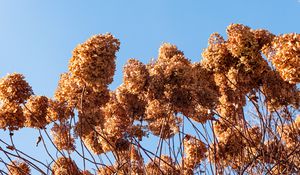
x,y
195,151
284,52
93,62
65,166
158,98
62,137
35,111
18,168
14,89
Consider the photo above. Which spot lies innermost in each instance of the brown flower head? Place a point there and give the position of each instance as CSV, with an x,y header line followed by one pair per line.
x,y
58,111
263,37
216,57
18,168
284,53
93,62
241,41
65,166
14,88
135,76
11,116
92,143
116,119
194,150
62,137
35,112
76,94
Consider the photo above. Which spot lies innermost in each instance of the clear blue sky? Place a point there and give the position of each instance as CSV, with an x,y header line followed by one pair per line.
x,y
37,37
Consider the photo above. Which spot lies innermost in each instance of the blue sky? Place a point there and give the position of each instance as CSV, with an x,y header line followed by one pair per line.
x,y
37,37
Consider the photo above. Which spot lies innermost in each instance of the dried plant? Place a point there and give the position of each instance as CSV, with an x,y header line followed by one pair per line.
x,y
234,112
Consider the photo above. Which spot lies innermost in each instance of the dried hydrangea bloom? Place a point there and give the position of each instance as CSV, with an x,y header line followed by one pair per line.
x,y
227,94
65,166
11,116
283,168
227,155
68,90
176,68
107,143
133,104
62,137
135,76
18,168
156,84
92,143
111,143
92,100
198,113
93,62
162,165
284,53
216,56
279,93
247,74
165,127
202,95
129,161
294,157
171,68
194,150
236,146
85,125
167,51
116,119
138,131
87,121
161,119
14,88
157,109
241,41
242,73
178,97
58,111
78,95
263,37
35,112
204,88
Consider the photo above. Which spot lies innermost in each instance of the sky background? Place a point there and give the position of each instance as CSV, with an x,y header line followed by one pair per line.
x,y
37,37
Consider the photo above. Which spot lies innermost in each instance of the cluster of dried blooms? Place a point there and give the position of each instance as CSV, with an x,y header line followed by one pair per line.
x,y
283,51
157,98
18,168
